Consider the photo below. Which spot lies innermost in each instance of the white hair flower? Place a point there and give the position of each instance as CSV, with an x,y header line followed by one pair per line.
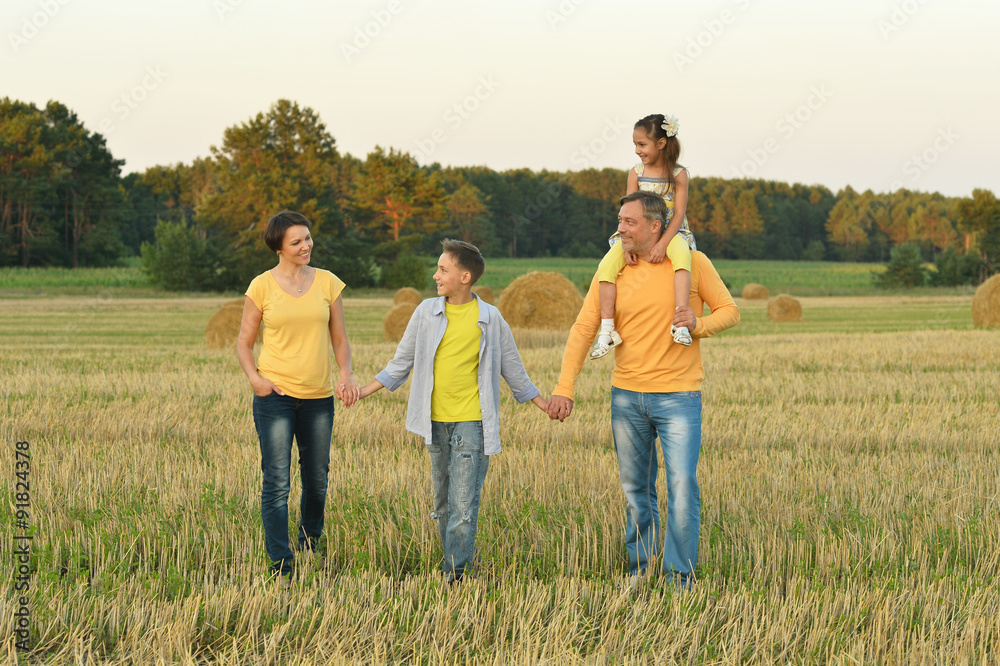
x,y
670,125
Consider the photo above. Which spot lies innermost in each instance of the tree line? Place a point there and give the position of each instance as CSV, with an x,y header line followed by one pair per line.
x,y
64,202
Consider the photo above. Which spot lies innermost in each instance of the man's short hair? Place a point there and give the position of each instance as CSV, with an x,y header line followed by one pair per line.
x,y
274,232
653,206
467,256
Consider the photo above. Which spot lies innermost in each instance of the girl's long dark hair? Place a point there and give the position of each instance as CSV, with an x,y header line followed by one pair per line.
x,y
653,126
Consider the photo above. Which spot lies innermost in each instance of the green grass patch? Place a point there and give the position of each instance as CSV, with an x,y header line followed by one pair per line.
x,y
798,278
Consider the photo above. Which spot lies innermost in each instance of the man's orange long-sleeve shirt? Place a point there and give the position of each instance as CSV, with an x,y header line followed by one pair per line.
x,y
649,361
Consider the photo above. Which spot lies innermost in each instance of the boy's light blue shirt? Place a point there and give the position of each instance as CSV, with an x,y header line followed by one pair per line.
x,y
498,357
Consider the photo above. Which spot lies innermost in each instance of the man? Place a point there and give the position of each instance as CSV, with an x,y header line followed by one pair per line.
x,y
656,386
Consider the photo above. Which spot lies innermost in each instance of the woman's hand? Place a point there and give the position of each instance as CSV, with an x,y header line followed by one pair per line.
x,y
347,390
262,387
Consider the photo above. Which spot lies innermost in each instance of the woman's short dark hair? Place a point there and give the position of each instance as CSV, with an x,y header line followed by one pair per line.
x,y
274,232
467,256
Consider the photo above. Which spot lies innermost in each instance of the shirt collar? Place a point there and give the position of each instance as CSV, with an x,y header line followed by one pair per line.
x,y
484,313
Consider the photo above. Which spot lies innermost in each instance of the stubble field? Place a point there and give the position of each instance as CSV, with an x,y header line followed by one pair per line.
x,y
849,481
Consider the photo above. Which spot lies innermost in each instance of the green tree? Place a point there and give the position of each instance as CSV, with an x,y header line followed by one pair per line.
x,y
845,227
90,187
392,192
28,174
905,268
469,217
180,259
954,269
280,160
59,189
934,224
979,217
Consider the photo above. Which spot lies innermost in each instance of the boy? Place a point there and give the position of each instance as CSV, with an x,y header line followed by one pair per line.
x,y
458,347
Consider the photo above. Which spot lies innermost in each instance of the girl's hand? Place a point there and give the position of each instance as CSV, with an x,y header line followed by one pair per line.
x,y
631,259
263,387
657,253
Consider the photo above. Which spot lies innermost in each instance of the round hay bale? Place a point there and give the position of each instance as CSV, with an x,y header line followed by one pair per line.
x,y
986,304
223,329
755,292
407,295
539,300
396,319
784,308
485,293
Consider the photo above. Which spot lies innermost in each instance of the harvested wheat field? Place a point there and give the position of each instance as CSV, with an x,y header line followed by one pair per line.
x,y
848,471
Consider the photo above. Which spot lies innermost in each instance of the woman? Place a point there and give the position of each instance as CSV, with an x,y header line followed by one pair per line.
x,y
302,312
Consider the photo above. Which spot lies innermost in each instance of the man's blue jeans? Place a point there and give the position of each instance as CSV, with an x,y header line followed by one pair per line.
x,y
278,418
458,470
636,419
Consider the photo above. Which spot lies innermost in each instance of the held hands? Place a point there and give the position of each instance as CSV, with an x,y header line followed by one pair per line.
x,y
363,392
559,408
347,390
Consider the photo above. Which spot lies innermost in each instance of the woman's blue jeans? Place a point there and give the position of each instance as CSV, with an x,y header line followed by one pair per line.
x,y
278,418
636,419
458,470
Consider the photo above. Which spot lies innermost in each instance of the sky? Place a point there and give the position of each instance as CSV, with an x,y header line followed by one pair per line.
x,y
872,94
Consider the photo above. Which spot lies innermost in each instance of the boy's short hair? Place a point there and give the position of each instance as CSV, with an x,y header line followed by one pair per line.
x,y
467,256
653,207
274,232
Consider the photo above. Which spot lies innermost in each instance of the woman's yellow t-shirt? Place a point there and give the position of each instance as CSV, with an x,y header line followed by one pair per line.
x,y
296,351
455,396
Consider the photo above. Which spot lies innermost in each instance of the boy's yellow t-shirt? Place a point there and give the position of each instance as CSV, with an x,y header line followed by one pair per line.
x,y
455,396
296,351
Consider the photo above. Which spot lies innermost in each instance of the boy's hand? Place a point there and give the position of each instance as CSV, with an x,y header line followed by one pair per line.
x,y
541,403
369,388
631,259
559,408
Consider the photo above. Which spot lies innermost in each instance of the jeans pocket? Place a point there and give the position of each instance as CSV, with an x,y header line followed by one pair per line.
x,y
470,439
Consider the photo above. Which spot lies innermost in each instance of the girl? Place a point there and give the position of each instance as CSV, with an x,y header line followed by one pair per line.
x,y
656,144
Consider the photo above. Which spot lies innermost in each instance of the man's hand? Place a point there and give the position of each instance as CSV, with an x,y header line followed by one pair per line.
x,y
684,316
559,407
